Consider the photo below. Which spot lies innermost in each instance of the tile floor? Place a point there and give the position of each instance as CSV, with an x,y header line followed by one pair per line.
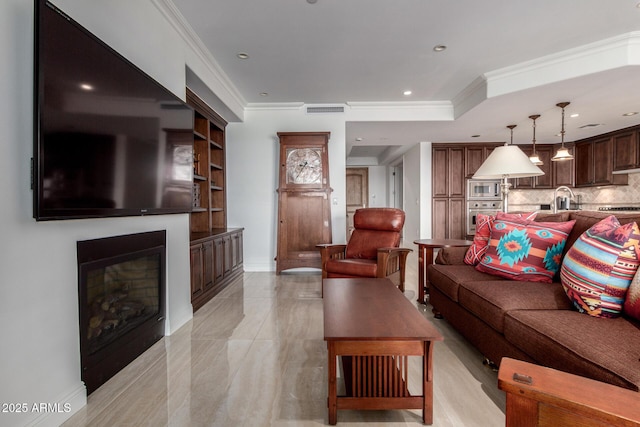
x,y
255,356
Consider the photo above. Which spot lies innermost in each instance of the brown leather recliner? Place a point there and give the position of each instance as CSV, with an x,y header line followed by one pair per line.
x,y
373,249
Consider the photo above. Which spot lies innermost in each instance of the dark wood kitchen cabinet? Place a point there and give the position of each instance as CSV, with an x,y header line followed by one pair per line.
x,y
545,152
594,163
216,260
449,215
448,171
563,172
626,153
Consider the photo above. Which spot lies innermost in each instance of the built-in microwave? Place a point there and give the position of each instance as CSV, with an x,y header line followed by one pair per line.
x,y
483,189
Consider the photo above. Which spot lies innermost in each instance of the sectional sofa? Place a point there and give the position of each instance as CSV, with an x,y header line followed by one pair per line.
x,y
535,321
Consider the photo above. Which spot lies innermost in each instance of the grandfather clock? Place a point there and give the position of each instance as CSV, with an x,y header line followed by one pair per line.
x,y
304,208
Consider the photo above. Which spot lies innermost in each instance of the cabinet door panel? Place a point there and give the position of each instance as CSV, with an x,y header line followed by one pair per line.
x,y
440,218
207,264
474,156
625,151
457,215
440,172
218,259
602,161
584,164
196,270
456,172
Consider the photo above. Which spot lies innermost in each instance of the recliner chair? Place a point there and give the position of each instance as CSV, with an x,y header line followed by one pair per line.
x,y
373,248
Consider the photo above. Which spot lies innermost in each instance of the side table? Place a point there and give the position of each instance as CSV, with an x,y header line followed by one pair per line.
x,y
425,257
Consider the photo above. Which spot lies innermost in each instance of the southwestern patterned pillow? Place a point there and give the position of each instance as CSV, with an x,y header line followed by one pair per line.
x,y
480,239
525,250
598,268
631,305
484,223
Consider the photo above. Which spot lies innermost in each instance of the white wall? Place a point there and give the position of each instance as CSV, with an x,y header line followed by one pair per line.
x,y
40,355
378,188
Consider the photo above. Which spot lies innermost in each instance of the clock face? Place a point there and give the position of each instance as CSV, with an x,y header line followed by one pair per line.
x,y
304,166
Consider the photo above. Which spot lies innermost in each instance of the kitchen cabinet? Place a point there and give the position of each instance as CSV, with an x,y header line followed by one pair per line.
x,y
216,260
594,163
452,165
545,152
449,218
448,171
563,171
626,153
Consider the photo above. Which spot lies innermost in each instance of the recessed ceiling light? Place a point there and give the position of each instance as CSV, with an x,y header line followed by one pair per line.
x,y
631,113
264,94
439,47
243,55
407,93
358,139
475,136
86,86
574,115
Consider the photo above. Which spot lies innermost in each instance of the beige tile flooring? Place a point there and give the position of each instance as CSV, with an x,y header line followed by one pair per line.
x,y
255,356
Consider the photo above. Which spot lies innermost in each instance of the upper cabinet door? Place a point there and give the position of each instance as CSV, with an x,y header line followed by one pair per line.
x,y
626,154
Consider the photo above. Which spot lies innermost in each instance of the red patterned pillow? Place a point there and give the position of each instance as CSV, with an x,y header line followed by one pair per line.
x,y
525,250
599,267
631,305
484,224
480,239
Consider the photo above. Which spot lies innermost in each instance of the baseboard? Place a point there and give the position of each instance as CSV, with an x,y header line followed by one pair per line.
x,y
57,412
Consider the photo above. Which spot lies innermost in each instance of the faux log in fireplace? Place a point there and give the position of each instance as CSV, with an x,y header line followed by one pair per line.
x,y
121,292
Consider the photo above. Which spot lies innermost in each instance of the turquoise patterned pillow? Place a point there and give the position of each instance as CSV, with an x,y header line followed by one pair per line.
x,y
525,250
598,268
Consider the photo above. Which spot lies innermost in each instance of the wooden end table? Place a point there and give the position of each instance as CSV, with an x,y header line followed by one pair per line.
x,y
425,257
374,328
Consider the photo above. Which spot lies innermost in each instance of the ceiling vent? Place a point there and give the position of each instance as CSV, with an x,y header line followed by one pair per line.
x,y
590,125
325,109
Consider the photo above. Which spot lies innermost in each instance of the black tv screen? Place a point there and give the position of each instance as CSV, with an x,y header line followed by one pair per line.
x,y
108,139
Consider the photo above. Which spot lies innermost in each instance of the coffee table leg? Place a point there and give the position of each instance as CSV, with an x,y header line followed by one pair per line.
x,y
427,384
333,389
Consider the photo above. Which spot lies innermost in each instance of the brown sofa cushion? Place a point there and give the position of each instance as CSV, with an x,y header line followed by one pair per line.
x,y
491,300
603,349
447,278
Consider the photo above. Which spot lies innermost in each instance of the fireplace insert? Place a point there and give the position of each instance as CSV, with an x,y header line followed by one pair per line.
x,y
121,291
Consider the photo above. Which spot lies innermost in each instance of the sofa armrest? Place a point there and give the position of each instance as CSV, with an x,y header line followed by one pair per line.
x,y
330,251
536,395
451,255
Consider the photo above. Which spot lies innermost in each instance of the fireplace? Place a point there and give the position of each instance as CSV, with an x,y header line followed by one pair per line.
x,y
121,296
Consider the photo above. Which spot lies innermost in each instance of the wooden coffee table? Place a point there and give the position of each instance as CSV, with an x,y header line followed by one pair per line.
x,y
374,327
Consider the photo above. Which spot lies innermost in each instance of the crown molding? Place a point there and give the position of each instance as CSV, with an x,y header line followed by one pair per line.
x,y
607,54
224,87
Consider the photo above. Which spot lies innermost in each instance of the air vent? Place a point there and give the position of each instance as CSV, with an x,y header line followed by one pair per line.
x,y
590,125
325,109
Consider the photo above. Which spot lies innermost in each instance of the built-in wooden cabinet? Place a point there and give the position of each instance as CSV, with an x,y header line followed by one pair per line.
x,y
449,216
216,252
448,171
545,152
594,163
452,165
564,170
216,260
626,150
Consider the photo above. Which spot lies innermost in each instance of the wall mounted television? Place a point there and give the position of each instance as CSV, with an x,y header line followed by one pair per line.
x,y
108,139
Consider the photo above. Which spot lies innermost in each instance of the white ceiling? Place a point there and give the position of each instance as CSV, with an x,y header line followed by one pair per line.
x,y
504,61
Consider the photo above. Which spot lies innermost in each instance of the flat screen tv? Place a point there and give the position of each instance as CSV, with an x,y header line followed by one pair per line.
x,y
108,139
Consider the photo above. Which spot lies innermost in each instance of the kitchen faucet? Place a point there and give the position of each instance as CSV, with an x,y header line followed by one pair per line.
x,y
555,196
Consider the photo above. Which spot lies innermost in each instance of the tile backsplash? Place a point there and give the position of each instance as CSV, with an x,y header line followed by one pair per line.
x,y
592,197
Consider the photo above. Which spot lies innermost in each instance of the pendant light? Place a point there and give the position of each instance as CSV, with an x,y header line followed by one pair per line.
x,y
505,162
563,152
534,156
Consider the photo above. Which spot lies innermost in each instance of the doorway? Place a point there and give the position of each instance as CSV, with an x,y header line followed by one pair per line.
x,y
357,181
